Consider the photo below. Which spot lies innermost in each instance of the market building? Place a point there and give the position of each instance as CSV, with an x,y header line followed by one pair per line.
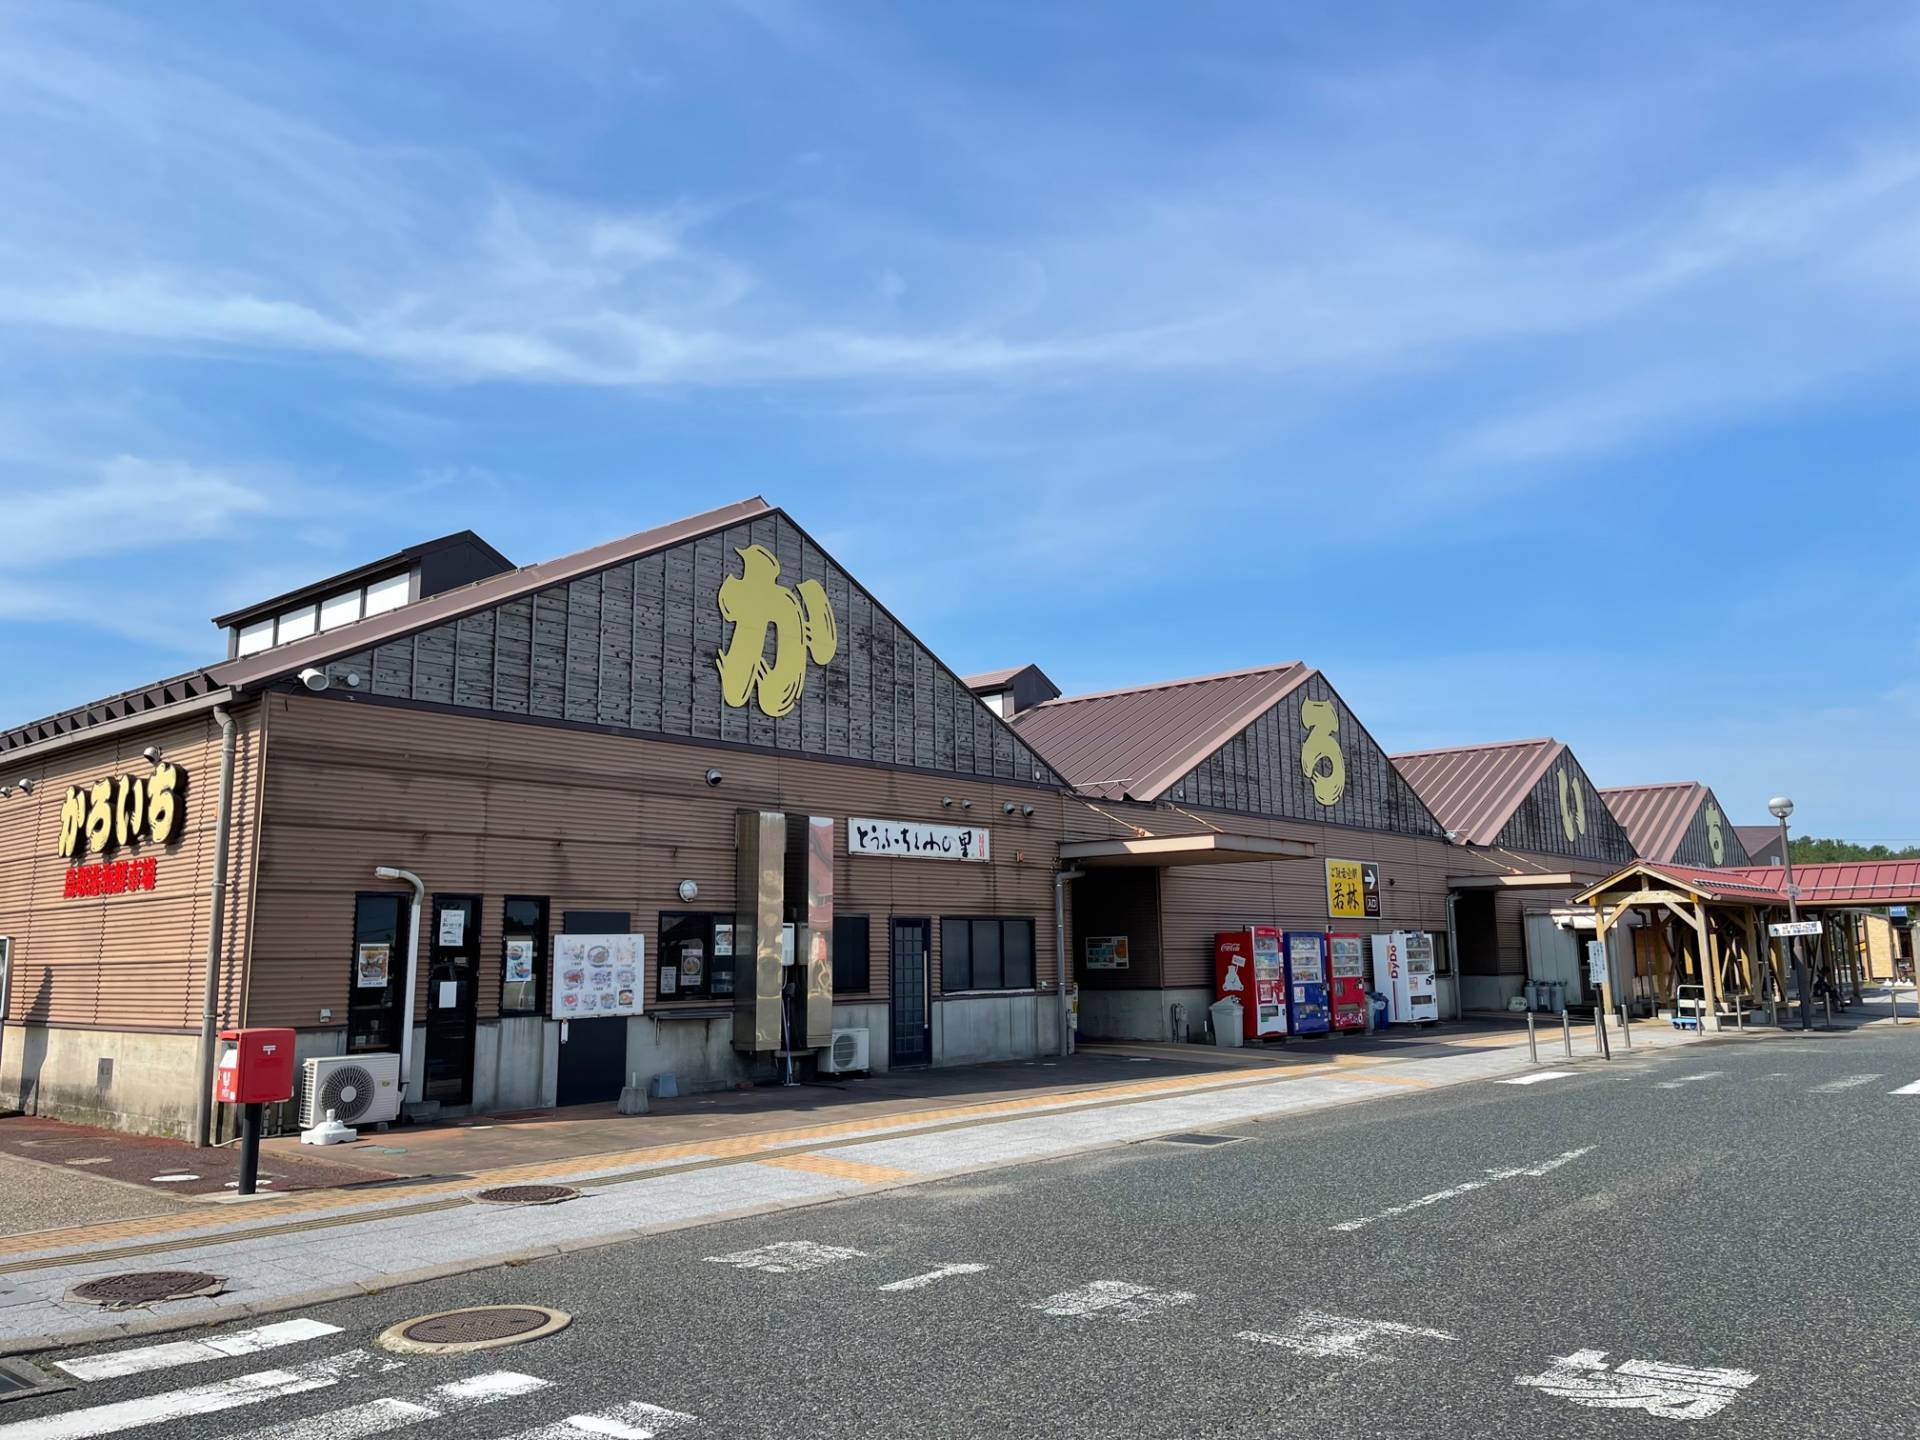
x,y
1221,802
1680,823
516,836
1530,830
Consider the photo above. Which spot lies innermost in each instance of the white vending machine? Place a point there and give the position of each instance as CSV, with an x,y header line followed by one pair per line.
x,y
1403,972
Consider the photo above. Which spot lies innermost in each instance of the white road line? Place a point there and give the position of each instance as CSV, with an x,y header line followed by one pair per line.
x,y
1689,1079
188,1352
1465,1187
1672,1392
1339,1337
1913,1089
635,1420
920,1282
198,1400
1113,1300
1537,1076
379,1417
1846,1082
788,1257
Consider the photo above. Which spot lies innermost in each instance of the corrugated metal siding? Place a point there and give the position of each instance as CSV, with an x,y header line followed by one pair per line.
x,y
591,821
1124,901
136,961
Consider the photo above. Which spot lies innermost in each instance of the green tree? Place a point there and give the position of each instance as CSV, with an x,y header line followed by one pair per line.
x,y
1815,850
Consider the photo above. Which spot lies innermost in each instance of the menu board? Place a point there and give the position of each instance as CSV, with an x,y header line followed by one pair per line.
x,y
598,975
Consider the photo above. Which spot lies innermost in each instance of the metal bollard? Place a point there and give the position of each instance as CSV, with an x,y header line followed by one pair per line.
x,y
1533,1043
1826,1004
1626,1028
1566,1033
1894,996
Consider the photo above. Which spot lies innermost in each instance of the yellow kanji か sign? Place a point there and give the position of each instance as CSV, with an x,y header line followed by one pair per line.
x,y
1353,889
800,618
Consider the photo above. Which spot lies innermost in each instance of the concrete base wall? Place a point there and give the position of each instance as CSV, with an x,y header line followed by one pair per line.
x,y
993,1027
1490,992
699,1054
141,1083
1142,1014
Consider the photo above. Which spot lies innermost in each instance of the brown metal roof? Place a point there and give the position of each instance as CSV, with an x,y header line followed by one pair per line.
x,y
315,589
423,615
1473,790
1655,817
129,704
995,679
1134,744
1755,838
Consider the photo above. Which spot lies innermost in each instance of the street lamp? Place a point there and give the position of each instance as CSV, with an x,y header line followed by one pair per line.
x,y
1781,807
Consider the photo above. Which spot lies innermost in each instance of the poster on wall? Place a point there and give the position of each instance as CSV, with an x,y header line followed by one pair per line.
x,y
1107,952
519,963
371,966
453,926
597,975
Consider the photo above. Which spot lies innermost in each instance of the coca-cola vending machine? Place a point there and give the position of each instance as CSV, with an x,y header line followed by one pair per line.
x,y
1247,967
1347,959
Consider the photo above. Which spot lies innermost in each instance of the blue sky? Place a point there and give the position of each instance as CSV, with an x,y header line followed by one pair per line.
x,y
1530,368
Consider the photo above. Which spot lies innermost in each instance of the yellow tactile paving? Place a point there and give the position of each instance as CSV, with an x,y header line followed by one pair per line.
x,y
840,1169
319,1202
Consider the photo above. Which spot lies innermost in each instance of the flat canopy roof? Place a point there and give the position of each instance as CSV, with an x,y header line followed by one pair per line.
x,y
1558,881
1165,850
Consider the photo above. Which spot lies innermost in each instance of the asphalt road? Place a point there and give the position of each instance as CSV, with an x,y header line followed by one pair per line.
x,y
1718,1241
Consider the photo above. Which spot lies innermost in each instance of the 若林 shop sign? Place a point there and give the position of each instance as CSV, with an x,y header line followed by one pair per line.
x,y
911,840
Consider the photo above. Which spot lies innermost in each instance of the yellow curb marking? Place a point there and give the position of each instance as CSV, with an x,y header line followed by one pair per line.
x,y
840,1169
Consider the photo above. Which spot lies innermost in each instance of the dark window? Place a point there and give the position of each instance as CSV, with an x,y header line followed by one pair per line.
x,y
376,971
985,954
686,962
524,948
850,955
596,922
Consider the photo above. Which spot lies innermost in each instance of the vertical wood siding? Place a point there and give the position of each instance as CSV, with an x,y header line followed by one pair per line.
x,y
1694,848
1536,826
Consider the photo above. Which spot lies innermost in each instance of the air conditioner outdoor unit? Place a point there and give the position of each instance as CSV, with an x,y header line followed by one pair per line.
x,y
359,1089
847,1052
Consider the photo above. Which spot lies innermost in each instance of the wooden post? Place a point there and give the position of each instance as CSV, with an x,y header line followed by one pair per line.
x,y
1709,981
1758,962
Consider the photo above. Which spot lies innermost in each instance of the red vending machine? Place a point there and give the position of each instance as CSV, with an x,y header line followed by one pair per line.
x,y
1247,967
1348,957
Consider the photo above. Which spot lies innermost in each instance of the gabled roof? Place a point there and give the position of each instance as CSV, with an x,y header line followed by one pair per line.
x,y
1751,886
1473,790
1655,817
364,634
1134,744
1755,838
1834,885
999,679
128,706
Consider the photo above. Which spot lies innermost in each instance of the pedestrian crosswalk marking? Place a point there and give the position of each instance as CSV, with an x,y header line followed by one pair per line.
x,y
1846,1082
1536,1077
1913,1089
186,1352
207,1399
380,1417
635,1420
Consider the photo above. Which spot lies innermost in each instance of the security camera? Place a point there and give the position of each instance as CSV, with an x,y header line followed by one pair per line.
x,y
151,754
315,680
713,777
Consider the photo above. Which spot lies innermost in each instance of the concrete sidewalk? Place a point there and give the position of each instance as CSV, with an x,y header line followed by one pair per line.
x,y
304,1248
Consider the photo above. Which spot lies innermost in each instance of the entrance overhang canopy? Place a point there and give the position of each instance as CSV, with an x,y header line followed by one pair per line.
x,y
1846,885
1512,882
1161,851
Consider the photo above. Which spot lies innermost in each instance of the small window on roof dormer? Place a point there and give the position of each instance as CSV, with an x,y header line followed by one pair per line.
x,y
389,594
298,623
255,637
338,610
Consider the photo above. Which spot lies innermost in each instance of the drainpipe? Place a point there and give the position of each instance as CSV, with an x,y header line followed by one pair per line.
x,y
391,872
1061,978
1453,958
216,926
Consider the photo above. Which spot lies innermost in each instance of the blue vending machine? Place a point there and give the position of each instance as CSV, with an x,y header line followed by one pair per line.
x,y
1308,1010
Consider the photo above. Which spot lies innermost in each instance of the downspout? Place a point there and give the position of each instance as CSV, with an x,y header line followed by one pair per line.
x,y
1453,957
216,929
390,872
1061,978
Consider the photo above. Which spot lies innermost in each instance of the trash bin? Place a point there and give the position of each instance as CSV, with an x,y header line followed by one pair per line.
x,y
1379,1010
1229,1023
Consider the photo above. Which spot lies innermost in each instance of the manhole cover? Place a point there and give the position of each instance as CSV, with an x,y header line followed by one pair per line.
x,y
146,1287
481,1327
1194,1138
527,1194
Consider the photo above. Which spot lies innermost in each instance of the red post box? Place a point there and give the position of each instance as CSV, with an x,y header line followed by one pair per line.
x,y
258,1070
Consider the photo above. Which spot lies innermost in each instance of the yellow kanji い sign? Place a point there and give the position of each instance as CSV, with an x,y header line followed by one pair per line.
x,y
1353,889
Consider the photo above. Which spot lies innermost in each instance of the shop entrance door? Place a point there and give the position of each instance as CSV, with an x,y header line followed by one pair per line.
x,y
452,988
911,1040
593,1054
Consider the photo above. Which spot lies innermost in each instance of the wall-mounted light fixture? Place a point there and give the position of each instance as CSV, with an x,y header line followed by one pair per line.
x,y
5,791
966,804
946,801
1026,810
1008,808
151,754
688,892
25,787
714,777
314,679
